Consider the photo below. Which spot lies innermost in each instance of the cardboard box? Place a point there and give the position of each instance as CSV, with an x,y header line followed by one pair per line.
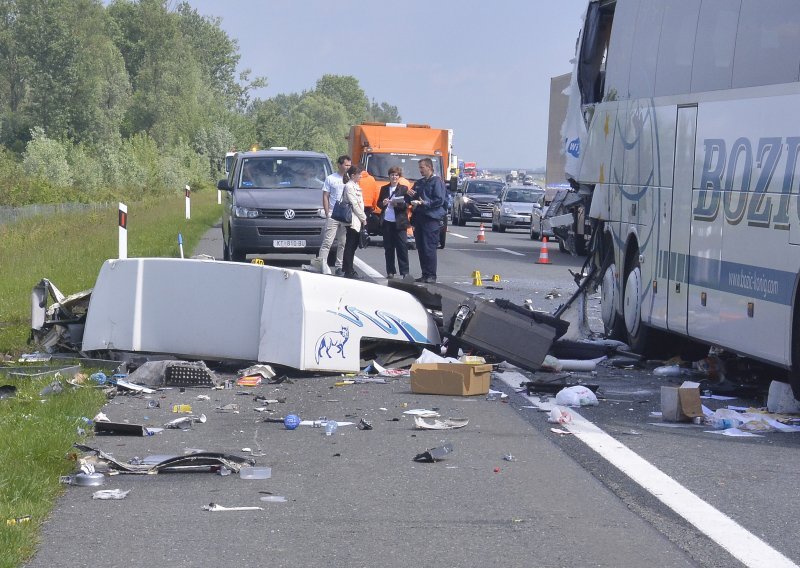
x,y
450,378
681,404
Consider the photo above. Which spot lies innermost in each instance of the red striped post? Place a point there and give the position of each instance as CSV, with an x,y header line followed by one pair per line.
x,y
123,231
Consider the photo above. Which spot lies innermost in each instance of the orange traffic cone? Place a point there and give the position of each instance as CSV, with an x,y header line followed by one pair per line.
x,y
543,258
481,238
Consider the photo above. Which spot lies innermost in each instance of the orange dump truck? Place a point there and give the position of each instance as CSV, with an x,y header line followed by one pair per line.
x,y
377,146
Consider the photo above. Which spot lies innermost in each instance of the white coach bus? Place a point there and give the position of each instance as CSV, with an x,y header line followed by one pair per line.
x,y
683,137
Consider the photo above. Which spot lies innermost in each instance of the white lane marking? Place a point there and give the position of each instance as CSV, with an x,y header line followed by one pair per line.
x,y
730,535
510,251
367,269
449,234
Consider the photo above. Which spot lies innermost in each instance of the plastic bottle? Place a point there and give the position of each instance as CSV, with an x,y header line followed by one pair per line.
x,y
330,427
724,423
100,378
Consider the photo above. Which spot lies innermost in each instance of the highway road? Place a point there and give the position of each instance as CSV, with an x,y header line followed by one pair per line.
x,y
746,480
622,489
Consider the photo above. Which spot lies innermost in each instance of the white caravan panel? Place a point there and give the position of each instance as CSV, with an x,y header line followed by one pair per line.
x,y
222,310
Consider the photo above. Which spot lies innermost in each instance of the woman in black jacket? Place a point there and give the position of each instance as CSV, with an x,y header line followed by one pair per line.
x,y
394,214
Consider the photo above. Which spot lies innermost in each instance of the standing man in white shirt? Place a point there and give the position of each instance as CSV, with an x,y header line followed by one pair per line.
x,y
331,193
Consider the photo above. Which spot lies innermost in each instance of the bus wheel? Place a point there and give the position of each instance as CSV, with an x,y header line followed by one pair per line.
x,y
612,320
632,309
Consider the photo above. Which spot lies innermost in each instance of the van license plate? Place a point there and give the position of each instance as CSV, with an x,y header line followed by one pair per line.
x,y
289,244
486,215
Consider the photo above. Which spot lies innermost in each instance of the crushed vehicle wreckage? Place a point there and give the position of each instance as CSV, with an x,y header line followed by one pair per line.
x,y
210,310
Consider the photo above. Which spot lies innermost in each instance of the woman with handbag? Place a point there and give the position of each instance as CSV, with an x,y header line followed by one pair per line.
x,y
352,196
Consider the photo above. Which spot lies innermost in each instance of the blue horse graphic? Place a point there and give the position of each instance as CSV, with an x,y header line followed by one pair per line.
x,y
332,340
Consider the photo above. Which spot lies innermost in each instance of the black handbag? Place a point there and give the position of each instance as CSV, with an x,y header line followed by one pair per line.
x,y
363,238
342,212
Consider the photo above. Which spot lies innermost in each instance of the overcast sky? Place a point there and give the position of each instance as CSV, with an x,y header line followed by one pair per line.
x,y
481,68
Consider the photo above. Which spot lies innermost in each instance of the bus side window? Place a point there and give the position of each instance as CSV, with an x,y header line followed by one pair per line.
x,y
619,52
766,43
645,47
714,45
676,47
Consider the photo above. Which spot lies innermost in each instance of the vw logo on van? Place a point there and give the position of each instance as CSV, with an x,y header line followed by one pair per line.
x,y
289,213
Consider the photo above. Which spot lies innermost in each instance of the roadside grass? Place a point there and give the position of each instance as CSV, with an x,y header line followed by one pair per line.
x,y
68,249
36,439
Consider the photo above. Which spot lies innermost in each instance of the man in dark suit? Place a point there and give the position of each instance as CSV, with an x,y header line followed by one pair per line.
x,y
429,200
394,215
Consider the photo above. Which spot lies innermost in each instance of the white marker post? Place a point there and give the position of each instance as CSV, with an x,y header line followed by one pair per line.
x,y
219,197
188,202
123,231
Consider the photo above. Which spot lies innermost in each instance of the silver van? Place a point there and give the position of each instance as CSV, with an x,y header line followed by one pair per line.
x,y
273,203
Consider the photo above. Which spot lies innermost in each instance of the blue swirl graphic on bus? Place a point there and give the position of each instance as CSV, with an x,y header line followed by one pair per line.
x,y
386,322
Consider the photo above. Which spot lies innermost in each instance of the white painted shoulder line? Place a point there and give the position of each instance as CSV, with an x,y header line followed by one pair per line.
x,y
509,251
366,268
720,528
449,234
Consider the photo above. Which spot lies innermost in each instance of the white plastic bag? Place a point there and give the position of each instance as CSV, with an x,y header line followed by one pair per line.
x,y
576,396
781,399
559,416
550,363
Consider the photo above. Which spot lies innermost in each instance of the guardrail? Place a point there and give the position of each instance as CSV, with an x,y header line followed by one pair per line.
x,y
9,215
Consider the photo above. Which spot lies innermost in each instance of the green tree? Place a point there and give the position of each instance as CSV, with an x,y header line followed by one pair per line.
x,y
13,125
102,95
169,96
383,112
45,36
345,90
47,158
218,55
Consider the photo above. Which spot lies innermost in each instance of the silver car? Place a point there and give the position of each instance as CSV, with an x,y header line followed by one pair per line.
x,y
512,210
540,227
273,203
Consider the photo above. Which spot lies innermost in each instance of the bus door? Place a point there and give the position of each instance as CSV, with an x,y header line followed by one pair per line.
x,y
674,264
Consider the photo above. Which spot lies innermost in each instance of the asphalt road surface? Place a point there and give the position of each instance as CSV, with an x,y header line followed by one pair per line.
x,y
621,490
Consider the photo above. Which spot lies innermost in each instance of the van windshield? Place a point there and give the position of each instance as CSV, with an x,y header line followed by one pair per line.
x,y
281,172
378,165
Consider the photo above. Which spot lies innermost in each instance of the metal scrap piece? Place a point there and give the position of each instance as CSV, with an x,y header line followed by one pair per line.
x,y
199,462
432,424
